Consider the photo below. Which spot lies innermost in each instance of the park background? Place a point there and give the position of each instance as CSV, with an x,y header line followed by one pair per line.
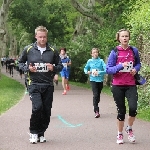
x,y
78,25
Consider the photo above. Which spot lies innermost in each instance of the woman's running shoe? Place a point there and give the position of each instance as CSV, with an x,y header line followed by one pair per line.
x,y
131,136
119,139
64,93
67,87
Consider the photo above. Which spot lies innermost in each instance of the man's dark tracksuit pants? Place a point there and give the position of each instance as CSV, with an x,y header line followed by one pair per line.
x,y
42,98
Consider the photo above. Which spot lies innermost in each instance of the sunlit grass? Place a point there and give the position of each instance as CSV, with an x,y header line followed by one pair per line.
x,y
11,92
144,114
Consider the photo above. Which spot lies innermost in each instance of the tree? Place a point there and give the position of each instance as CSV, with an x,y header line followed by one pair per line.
x,y
55,15
137,20
3,18
78,25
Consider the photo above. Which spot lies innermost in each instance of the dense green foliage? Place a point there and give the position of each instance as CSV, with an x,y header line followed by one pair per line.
x,y
1,1
137,20
31,14
79,34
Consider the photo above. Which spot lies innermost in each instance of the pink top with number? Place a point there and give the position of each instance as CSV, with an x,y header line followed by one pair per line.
x,y
124,77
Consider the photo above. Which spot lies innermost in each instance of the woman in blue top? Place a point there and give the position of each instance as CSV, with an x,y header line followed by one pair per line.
x,y
96,68
66,61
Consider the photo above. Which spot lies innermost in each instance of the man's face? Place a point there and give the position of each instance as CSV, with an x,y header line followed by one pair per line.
x,y
41,38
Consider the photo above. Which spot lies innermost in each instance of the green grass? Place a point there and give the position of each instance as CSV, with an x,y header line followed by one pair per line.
x,y
144,114
11,92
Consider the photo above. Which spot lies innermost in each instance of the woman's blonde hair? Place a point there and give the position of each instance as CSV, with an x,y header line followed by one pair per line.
x,y
118,33
41,28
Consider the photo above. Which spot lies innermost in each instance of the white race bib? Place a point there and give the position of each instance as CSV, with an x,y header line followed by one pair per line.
x,y
64,64
41,67
128,68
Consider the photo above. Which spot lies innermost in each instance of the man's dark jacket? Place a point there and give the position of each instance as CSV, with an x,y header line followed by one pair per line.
x,y
31,55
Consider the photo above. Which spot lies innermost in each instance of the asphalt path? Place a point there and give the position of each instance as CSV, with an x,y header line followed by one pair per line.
x,y
72,126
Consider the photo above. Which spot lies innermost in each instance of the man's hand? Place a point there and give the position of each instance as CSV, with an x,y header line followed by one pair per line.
x,y
50,66
32,68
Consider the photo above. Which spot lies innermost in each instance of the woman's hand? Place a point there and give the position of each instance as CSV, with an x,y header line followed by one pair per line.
x,y
133,71
89,72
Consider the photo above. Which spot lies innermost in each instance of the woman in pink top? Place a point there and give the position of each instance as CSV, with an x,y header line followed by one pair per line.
x,y
123,65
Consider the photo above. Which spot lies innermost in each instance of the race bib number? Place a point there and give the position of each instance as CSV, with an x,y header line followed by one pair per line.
x,y
64,64
128,68
41,67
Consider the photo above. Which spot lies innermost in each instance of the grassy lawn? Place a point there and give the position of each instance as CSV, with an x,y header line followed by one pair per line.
x,y
11,92
144,114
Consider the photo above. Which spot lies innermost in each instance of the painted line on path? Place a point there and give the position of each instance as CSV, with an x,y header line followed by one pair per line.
x,y
68,124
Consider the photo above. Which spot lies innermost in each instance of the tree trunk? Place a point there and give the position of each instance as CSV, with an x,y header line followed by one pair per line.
x,y
3,15
87,11
82,19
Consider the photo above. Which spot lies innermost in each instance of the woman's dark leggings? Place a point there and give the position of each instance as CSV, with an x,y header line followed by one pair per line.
x,y
119,94
96,88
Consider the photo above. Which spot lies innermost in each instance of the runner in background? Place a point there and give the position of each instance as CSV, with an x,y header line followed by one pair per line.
x,y
66,61
7,64
2,61
96,69
24,68
11,64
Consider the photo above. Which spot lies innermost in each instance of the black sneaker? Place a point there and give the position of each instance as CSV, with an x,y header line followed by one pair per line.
x,y
97,115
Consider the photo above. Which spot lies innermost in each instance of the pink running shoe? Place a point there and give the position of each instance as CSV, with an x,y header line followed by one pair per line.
x,y
67,87
131,136
119,139
64,93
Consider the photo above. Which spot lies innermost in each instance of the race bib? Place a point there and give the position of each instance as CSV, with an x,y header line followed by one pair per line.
x,y
128,68
64,64
41,67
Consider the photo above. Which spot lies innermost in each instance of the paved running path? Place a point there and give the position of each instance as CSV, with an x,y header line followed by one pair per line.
x,y
72,127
